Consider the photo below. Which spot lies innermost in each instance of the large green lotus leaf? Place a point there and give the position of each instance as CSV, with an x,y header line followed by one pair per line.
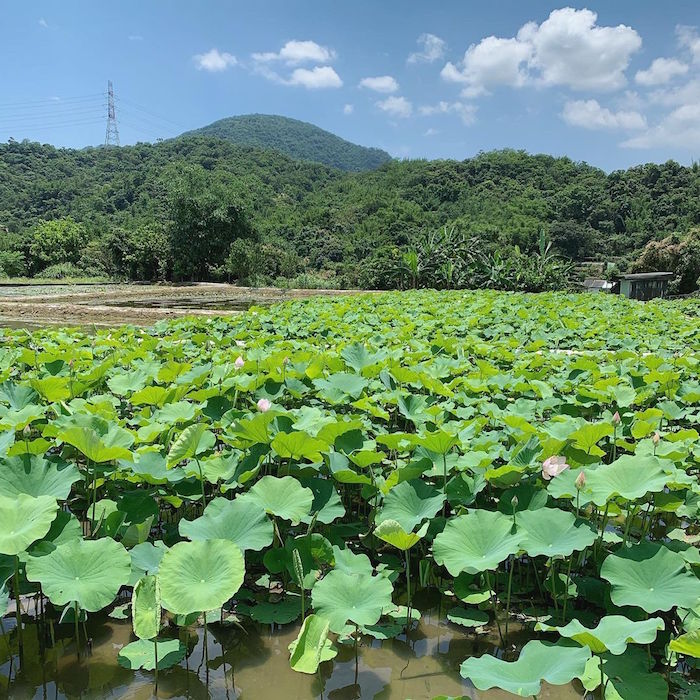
x,y
281,613
327,505
311,646
687,644
243,521
538,661
200,576
142,654
629,477
145,608
409,503
626,677
23,520
612,633
89,572
298,446
650,576
192,441
283,497
475,542
17,395
146,556
391,532
553,532
101,441
338,387
36,476
358,357
16,420
439,441
358,598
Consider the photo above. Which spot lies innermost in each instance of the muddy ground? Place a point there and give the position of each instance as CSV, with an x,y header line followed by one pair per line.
x,y
110,305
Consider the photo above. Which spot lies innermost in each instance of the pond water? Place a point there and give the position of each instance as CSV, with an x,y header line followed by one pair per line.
x,y
188,302
249,664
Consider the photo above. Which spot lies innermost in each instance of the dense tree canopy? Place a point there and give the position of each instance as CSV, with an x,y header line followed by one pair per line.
x,y
345,228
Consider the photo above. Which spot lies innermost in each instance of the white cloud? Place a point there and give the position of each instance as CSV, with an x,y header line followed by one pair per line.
x,y
315,78
433,49
589,114
43,23
380,83
214,60
431,132
567,49
296,52
688,93
466,112
689,39
661,71
348,109
493,61
396,106
679,129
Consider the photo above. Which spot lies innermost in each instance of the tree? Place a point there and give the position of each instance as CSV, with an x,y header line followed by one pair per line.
x,y
56,242
677,254
205,221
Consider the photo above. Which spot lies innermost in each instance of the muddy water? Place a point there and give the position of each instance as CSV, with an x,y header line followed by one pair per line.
x,y
248,665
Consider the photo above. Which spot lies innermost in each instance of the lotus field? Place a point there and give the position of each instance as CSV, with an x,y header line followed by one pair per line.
x,y
532,460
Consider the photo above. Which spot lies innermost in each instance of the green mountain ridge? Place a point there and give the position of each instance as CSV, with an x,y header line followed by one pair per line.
x,y
294,138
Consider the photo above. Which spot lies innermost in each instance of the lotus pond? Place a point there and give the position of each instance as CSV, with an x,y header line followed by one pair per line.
x,y
406,495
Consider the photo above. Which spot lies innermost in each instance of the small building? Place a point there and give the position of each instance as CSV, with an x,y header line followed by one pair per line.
x,y
591,284
645,285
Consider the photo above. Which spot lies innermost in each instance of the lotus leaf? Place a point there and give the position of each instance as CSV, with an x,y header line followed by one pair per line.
x,y
36,476
687,644
142,654
553,532
88,572
145,608
409,503
651,577
312,646
475,542
23,520
199,576
283,497
538,661
612,633
358,598
390,531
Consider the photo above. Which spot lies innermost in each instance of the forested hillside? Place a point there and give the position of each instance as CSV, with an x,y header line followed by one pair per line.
x,y
295,139
285,217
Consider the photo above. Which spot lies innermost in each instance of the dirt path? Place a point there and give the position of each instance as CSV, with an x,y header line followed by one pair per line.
x,y
139,304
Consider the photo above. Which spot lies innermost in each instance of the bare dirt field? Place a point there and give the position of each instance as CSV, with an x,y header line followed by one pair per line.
x,y
109,305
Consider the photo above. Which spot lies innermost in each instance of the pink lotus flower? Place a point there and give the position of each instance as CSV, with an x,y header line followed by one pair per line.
x,y
616,418
264,405
239,362
656,438
580,481
553,466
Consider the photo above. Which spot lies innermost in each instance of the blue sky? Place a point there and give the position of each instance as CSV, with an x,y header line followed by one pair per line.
x,y
612,83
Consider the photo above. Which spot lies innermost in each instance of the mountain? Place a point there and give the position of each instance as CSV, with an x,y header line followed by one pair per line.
x,y
297,139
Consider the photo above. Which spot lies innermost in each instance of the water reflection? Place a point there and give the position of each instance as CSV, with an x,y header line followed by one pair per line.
x,y
249,664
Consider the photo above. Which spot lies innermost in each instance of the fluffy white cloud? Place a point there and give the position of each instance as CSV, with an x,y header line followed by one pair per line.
x,y
43,23
433,49
493,61
568,49
679,129
296,52
589,114
431,132
380,83
315,78
396,106
661,71
688,93
348,109
214,60
466,112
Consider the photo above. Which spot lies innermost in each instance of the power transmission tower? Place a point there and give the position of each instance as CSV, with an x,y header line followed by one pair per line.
x,y
112,133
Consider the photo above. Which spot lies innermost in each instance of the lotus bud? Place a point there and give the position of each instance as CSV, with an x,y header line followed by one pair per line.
x,y
239,362
553,466
27,431
616,418
656,438
514,502
264,405
580,481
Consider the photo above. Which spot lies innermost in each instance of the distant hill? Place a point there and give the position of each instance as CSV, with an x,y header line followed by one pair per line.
x,y
296,139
